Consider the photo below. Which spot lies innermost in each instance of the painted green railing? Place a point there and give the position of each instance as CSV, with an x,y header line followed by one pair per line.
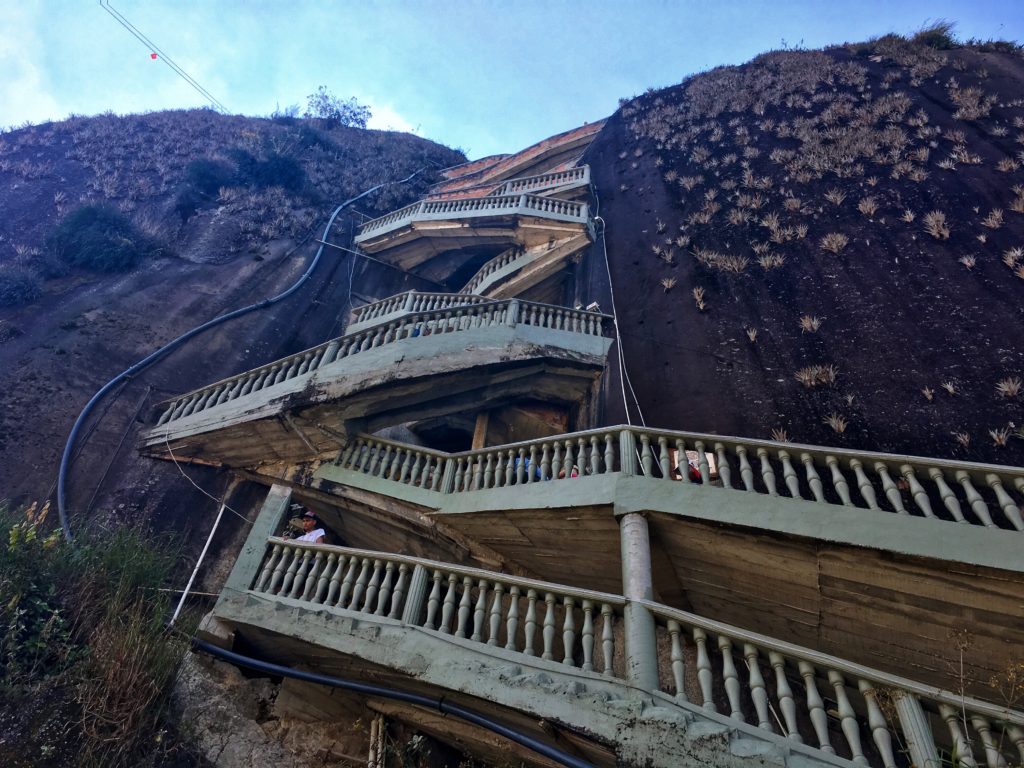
x,y
418,325
407,303
780,688
955,491
572,177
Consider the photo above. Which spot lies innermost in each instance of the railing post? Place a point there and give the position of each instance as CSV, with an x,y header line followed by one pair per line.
x,y
414,595
916,732
641,650
448,476
410,297
627,452
512,313
247,565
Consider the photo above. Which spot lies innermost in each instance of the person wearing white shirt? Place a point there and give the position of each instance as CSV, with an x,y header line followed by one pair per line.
x,y
313,531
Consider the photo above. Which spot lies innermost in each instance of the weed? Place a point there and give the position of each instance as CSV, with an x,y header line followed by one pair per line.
x,y
816,375
1008,165
771,261
968,261
962,438
868,205
836,421
935,225
835,196
999,436
908,216
1009,387
809,324
18,285
994,220
780,435
668,283
1012,255
929,393
698,297
834,242
751,334
100,238
949,386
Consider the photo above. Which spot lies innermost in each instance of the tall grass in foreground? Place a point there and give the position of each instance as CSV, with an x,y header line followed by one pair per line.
x,y
85,664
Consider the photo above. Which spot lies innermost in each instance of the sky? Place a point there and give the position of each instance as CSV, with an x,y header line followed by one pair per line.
x,y
487,76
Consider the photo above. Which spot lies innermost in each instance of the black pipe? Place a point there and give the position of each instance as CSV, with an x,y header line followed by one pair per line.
x,y
65,460
440,704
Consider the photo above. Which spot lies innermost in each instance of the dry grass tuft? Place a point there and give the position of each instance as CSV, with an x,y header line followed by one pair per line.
x,y
836,421
780,435
834,242
835,196
698,297
935,225
994,220
810,324
949,386
1012,255
999,436
868,205
817,375
968,261
1009,387
962,438
771,261
908,216
751,334
668,283
1008,165
929,394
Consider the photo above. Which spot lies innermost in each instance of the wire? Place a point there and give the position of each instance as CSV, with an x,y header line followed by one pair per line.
x,y
138,35
67,457
203,491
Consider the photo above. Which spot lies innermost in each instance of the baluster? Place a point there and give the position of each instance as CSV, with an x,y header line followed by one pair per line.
x,y
664,462
724,472
407,465
919,494
678,669
417,469
816,707
646,457
961,749
702,462
892,493
478,472
993,758
512,621
767,473
531,621
978,505
568,631
315,578
545,462
380,459
458,475
946,494
495,617
607,639
335,585
359,589
789,475
556,461
549,626
847,717
449,604
531,469
349,583
510,467
867,490
268,568
746,472
609,455
732,678
758,692
784,693
704,673
813,480
839,481
369,604
876,721
384,594
489,472
1007,504
588,636
299,582
521,467
396,596
289,575
397,462
465,606
434,601
479,612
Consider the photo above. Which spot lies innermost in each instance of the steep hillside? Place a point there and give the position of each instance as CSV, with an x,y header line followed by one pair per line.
x,y
825,245
231,209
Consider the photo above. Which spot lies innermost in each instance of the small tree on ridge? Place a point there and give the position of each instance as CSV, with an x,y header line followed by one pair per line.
x,y
326,106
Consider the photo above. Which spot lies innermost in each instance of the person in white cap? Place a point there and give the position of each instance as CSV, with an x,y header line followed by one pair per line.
x,y
313,531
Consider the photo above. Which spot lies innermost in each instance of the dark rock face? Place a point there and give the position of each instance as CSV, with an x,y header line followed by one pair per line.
x,y
857,210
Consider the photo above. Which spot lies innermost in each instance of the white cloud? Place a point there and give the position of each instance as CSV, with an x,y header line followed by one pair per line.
x,y
23,88
385,118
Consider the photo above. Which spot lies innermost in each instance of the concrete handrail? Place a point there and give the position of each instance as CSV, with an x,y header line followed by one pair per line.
x,y
408,302
579,176
417,325
579,627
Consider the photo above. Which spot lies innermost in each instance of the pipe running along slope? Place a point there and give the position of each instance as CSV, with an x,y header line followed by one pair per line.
x,y
397,694
66,458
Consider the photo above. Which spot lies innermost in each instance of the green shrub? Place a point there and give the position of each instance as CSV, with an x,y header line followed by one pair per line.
x,y
208,176
83,630
101,238
937,34
324,105
994,46
18,285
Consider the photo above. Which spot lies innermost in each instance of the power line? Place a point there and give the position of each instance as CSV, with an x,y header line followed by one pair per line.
x,y
142,38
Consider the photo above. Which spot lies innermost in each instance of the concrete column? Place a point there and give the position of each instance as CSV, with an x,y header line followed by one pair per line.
x,y
414,595
512,313
480,430
916,731
247,565
641,647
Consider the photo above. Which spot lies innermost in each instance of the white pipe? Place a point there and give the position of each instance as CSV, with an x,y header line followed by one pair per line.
x,y
199,562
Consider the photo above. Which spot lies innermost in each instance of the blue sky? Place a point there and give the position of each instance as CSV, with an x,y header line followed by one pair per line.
x,y
483,75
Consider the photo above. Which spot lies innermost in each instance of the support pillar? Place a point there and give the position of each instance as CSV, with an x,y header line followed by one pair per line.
x,y
483,420
414,595
641,644
247,565
917,733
